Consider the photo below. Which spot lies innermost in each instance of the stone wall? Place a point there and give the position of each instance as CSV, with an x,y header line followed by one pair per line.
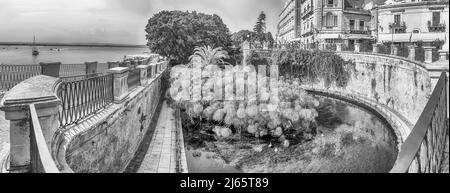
x,y
107,141
397,83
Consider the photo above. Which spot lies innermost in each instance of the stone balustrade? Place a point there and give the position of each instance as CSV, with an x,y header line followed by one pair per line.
x,y
127,119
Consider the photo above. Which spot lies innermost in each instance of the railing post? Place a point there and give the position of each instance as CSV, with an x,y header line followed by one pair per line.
x,y
394,49
91,67
375,49
357,47
40,91
143,74
120,83
412,52
50,69
428,54
113,64
339,47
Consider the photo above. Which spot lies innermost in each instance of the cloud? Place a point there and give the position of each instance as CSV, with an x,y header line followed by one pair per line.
x,y
116,21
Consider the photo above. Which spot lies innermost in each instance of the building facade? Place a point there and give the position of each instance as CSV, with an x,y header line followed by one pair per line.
x,y
328,22
289,23
408,22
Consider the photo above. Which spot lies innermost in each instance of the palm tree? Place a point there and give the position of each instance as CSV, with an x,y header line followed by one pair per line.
x,y
210,56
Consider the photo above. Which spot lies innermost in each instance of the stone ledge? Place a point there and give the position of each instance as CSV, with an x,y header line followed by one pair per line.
x,y
33,90
401,126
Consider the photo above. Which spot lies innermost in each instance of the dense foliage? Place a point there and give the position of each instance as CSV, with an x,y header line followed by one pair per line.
x,y
294,114
306,65
175,34
260,26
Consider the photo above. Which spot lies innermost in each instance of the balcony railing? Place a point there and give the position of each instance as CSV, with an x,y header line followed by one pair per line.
x,y
398,27
436,28
359,31
40,157
81,98
423,149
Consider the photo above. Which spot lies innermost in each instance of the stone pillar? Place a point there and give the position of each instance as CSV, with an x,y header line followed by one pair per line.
x,y
40,91
412,52
246,51
113,65
50,69
120,83
91,67
394,49
152,70
375,49
428,54
357,47
339,47
436,69
143,71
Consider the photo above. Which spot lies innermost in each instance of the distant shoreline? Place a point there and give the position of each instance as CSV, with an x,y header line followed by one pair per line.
x,y
71,44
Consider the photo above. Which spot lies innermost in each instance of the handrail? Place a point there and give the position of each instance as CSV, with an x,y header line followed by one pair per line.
x,y
40,157
83,97
435,110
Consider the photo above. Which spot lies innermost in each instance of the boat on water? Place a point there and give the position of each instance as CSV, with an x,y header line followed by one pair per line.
x,y
35,51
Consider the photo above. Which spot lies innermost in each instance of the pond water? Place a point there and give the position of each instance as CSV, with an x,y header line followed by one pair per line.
x,y
350,140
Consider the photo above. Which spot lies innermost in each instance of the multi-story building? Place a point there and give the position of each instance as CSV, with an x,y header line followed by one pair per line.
x,y
334,21
410,21
289,23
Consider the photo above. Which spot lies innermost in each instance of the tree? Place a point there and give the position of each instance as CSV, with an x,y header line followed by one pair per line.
x,y
244,35
260,27
210,56
175,34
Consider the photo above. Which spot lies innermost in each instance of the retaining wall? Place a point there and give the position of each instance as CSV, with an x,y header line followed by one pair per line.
x,y
107,141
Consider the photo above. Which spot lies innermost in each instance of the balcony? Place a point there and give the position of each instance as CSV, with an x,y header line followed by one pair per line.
x,y
397,27
331,5
307,12
436,27
359,31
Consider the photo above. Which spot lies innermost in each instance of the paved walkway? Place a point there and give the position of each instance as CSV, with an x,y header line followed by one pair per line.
x,y
161,156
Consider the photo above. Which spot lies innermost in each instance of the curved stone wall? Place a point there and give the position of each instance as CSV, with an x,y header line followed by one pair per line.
x,y
392,83
107,141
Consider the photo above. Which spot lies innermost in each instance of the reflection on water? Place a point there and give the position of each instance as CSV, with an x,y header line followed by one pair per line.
x,y
65,54
350,139
207,162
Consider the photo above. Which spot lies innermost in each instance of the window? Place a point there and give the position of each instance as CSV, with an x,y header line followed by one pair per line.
x,y
330,20
436,18
352,24
397,19
361,25
330,3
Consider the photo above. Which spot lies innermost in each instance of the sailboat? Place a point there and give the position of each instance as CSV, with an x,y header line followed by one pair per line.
x,y
35,52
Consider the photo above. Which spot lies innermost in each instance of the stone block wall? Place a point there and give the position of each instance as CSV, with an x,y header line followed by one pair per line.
x,y
395,82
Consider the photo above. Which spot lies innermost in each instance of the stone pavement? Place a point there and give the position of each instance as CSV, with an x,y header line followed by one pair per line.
x,y
161,156
4,137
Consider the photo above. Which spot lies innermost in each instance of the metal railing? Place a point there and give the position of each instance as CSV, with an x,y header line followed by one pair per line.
x,y
41,160
424,148
83,97
11,75
134,78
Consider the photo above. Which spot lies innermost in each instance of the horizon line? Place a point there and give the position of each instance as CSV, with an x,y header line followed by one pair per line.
x,y
70,44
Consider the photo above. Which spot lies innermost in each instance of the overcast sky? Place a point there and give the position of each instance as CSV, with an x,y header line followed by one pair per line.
x,y
116,21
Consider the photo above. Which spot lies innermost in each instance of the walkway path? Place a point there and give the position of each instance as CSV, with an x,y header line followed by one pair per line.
x,y
161,156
